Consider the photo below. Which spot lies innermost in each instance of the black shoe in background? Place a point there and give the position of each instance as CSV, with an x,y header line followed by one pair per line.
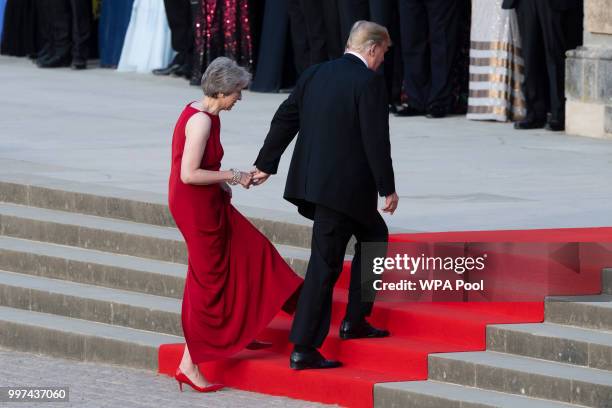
x,y
54,62
436,112
529,123
555,124
407,110
183,71
170,69
78,63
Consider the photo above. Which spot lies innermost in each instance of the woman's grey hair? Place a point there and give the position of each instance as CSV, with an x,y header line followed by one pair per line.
x,y
225,76
365,34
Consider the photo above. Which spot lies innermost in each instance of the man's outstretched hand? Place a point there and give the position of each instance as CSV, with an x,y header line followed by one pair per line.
x,y
259,177
391,202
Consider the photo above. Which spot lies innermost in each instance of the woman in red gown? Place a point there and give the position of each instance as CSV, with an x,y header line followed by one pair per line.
x,y
236,280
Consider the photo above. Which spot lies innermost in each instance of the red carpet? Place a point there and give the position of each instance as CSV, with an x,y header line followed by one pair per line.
x,y
418,329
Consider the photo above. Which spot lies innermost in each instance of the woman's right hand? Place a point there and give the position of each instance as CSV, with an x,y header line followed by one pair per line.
x,y
245,179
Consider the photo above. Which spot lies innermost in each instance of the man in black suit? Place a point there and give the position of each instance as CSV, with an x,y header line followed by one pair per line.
x,y
341,160
548,29
66,26
180,19
428,31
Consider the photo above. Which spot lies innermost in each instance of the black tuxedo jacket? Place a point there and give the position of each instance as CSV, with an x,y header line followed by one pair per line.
x,y
342,156
554,4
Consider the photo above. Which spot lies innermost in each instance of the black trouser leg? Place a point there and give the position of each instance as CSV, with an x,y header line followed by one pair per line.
x,y
81,15
45,51
442,17
535,84
297,25
385,13
58,17
315,30
555,45
180,21
331,19
415,51
330,235
351,11
361,290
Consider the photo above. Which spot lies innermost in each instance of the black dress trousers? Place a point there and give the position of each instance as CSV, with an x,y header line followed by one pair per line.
x,y
352,11
180,20
428,32
386,14
67,25
270,67
331,233
547,32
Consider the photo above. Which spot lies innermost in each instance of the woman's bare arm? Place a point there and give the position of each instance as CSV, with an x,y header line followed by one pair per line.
x,y
197,132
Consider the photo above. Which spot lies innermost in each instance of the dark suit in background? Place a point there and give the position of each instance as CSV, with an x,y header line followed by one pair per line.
x,y
180,20
341,160
350,12
67,25
428,31
548,29
385,13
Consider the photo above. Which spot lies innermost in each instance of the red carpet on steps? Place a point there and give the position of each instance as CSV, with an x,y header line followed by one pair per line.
x,y
417,329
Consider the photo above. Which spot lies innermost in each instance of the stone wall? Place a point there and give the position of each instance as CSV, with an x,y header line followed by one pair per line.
x,y
588,81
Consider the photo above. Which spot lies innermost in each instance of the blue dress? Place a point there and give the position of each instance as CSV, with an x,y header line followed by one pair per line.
x,y
114,19
2,6
147,44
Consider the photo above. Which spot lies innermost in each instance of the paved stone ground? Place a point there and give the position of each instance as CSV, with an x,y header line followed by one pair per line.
x,y
103,127
101,385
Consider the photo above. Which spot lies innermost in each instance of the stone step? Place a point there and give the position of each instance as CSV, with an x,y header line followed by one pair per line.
x,y
526,376
88,302
606,281
435,394
107,269
108,235
592,312
77,339
554,342
138,206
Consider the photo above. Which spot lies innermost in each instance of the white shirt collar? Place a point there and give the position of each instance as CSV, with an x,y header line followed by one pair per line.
x,y
358,56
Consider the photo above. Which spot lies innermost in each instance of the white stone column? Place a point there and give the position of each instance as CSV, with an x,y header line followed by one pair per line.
x,y
588,75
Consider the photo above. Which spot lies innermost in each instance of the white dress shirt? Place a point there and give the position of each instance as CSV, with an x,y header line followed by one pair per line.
x,y
358,56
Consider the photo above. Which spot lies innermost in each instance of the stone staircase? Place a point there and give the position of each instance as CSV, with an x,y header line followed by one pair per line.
x,y
97,275
564,361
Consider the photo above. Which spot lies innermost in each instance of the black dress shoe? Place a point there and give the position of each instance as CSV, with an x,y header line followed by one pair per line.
x,y
361,330
54,62
183,71
166,71
555,123
311,360
529,123
436,112
78,63
407,110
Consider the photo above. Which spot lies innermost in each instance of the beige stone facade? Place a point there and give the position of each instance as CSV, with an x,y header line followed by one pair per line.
x,y
589,75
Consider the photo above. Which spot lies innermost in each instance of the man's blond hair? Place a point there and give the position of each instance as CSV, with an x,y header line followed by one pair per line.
x,y
365,34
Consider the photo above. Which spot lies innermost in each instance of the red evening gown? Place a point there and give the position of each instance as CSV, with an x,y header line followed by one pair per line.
x,y
236,280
